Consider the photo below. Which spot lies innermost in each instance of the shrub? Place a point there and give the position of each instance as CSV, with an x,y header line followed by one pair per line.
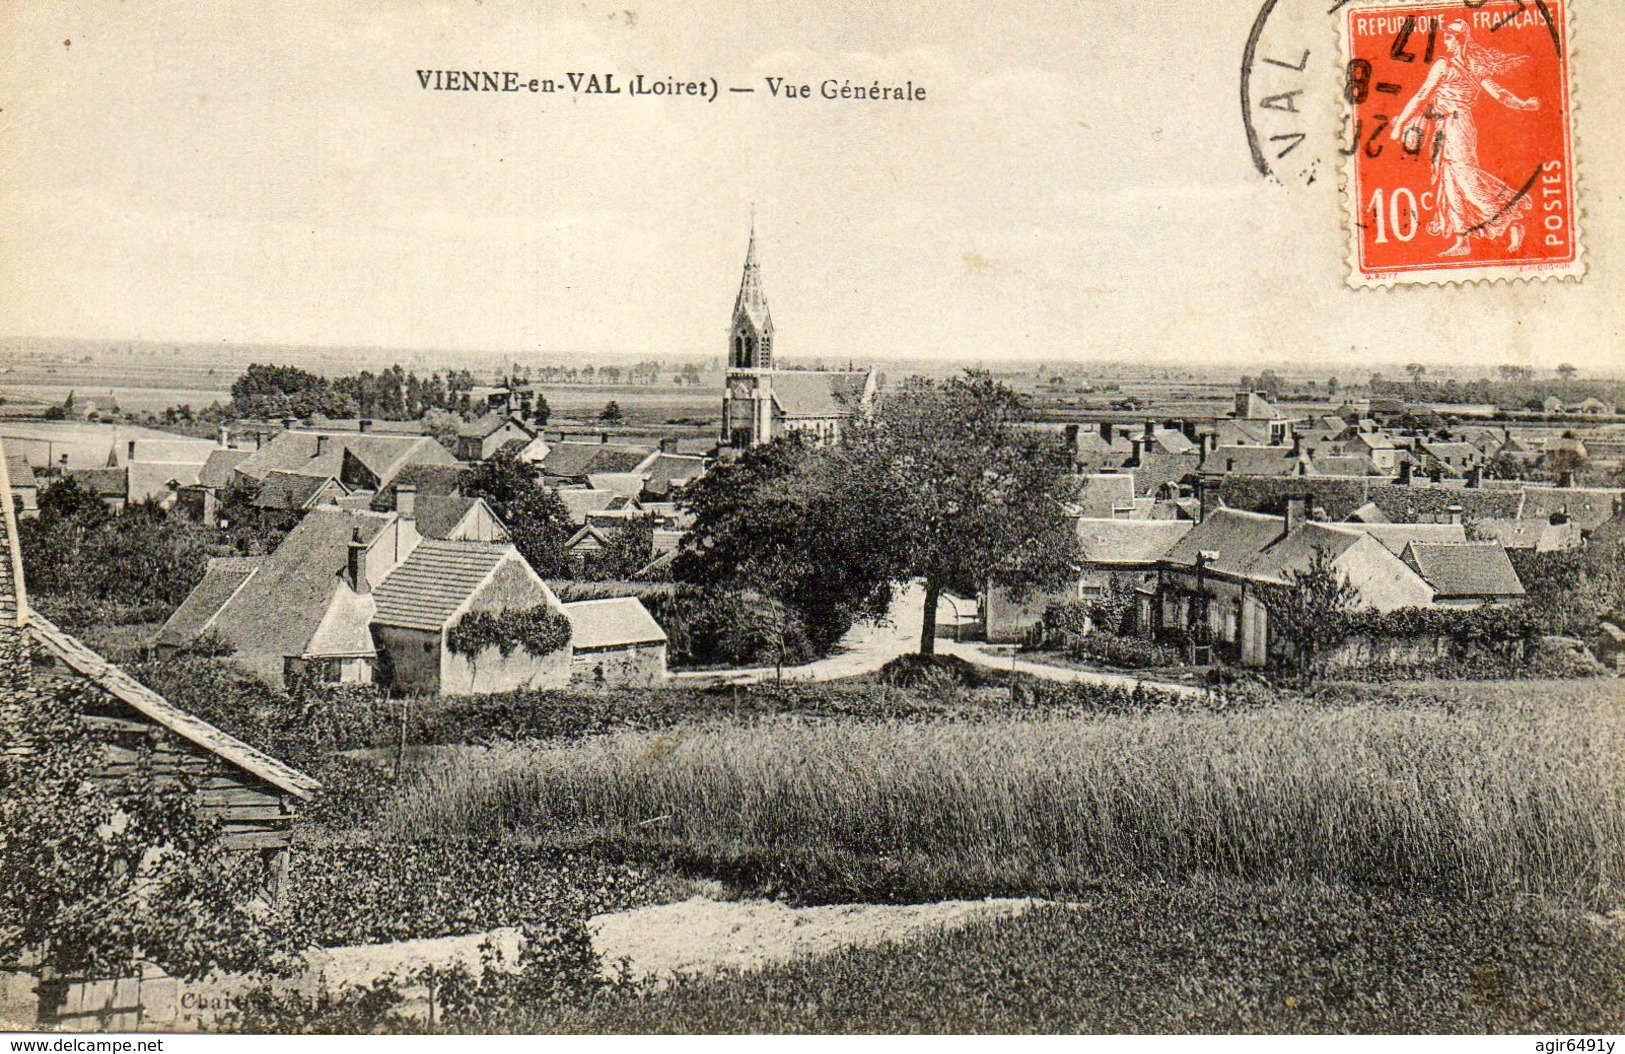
x,y
1130,653
540,630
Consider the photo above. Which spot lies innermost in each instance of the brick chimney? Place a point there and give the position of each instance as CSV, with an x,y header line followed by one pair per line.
x,y
364,425
223,436
1297,512
1453,514
355,564
1404,473
406,501
1106,431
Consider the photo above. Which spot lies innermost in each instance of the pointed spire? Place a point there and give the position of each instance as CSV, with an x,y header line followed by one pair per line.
x,y
752,300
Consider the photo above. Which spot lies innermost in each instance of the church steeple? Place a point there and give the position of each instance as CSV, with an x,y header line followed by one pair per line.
x,y
750,337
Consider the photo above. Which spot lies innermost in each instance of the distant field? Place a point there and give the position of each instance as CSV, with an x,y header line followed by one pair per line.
x,y
642,406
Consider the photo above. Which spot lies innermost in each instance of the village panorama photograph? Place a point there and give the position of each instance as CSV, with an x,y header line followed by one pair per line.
x,y
477,565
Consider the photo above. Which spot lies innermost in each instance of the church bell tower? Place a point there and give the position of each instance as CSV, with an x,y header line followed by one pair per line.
x,y
747,401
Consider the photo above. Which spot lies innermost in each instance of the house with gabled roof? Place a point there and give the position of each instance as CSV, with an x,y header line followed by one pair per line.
x,y
361,460
361,596
417,605
1212,586
485,435
615,641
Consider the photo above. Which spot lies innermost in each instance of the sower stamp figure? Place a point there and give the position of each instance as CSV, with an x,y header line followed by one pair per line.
x,y
1469,202
1460,163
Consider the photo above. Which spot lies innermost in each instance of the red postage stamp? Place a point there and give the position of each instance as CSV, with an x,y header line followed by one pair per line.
x,y
1459,142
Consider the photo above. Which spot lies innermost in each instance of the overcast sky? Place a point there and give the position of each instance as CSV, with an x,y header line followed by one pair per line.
x,y
1076,186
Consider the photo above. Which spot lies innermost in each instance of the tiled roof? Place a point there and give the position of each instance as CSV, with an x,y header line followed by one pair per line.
x,y
21,472
578,501
1111,541
383,455
1236,536
612,623
1396,536
1587,506
434,581
291,490
817,393
1540,535
87,664
217,471
222,577
1252,461
1292,554
278,610
575,460
1099,493
1465,569
668,470
437,515
102,482
490,424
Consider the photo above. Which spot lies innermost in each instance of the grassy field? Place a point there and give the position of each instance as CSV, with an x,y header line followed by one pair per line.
x,y
1469,801
1209,957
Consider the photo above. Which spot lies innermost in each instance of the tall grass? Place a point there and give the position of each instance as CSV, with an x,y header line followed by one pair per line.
x,y
1476,801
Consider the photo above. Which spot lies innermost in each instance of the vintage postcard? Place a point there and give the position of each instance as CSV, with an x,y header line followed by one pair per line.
x,y
576,518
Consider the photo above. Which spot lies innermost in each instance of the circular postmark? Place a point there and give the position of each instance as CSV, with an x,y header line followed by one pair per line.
x,y
1295,83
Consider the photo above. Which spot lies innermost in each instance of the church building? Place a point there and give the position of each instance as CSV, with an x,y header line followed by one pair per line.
x,y
759,402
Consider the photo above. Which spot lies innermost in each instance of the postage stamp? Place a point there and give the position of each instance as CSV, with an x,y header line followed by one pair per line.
x,y
1459,149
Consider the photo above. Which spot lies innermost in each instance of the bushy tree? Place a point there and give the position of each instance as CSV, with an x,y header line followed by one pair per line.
x,y
776,523
98,875
535,517
629,551
1312,613
950,486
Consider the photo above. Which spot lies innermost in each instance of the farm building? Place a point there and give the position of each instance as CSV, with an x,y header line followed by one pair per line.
x,y
359,596
615,641
484,436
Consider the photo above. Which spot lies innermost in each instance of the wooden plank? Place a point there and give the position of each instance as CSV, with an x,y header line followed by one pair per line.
x,y
246,813
258,840
220,797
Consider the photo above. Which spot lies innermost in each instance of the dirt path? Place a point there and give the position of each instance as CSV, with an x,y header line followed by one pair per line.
x,y
701,936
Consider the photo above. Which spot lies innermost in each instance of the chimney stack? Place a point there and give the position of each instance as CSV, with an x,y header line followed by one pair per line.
x,y
224,436
211,507
406,501
1565,479
1475,477
1106,431
364,425
1134,460
1453,514
603,437
1297,506
356,563
1150,432
1405,473
321,445
1072,436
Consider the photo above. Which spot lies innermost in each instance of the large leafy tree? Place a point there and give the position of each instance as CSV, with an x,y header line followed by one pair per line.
x,y
947,482
776,523
532,512
98,875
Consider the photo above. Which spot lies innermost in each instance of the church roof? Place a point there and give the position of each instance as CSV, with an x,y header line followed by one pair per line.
x,y
752,300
